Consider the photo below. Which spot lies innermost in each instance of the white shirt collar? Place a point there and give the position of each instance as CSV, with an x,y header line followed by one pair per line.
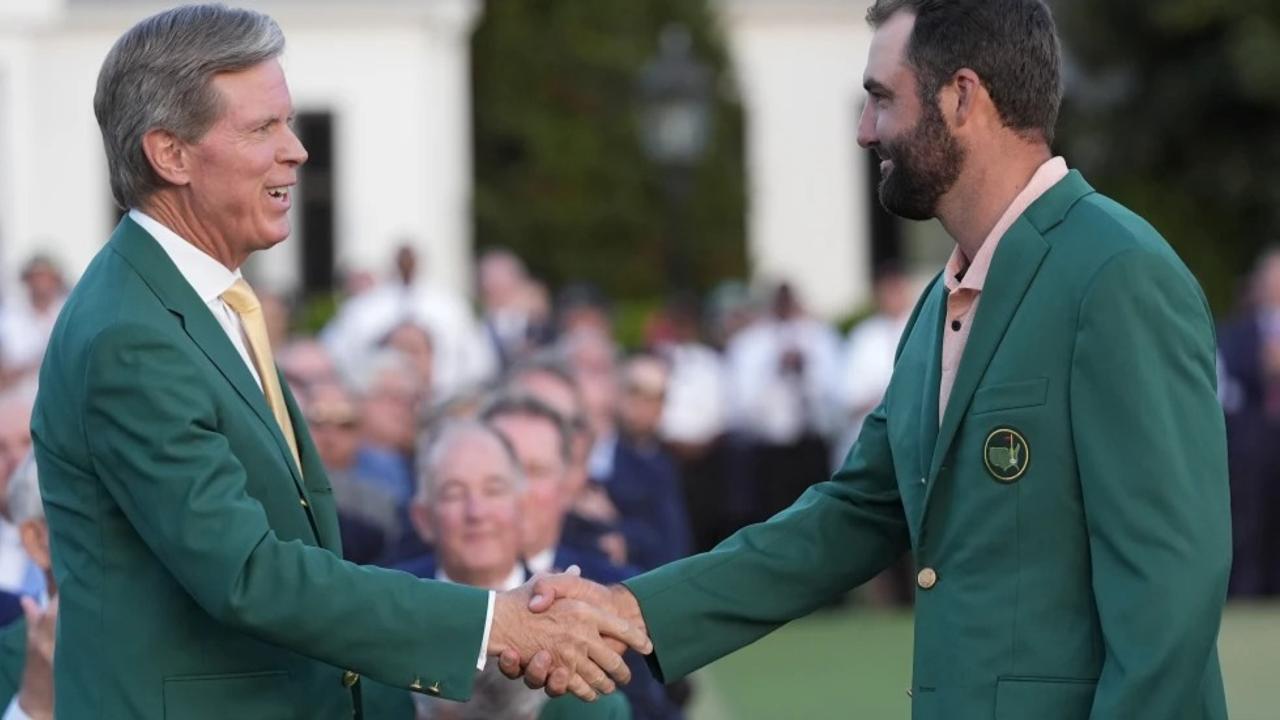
x,y
514,580
543,561
208,277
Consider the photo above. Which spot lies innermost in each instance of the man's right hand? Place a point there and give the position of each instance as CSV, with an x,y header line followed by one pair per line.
x,y
582,642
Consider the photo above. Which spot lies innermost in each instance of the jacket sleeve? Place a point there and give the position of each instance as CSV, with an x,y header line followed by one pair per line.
x,y
838,535
152,431
1151,448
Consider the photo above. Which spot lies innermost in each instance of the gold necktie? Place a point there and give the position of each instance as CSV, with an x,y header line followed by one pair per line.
x,y
241,299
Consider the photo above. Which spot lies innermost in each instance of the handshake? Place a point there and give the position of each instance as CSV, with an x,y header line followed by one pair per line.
x,y
566,634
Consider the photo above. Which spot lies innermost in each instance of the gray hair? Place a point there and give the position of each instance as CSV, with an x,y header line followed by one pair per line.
x,y
159,75
525,405
432,448
22,497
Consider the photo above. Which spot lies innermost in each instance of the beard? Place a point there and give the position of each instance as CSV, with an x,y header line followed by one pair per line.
x,y
926,162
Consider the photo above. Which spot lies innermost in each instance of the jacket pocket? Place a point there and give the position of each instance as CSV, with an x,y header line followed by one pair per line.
x,y
1009,396
1044,698
244,696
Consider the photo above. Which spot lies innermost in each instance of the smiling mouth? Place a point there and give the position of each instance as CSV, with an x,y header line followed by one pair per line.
x,y
279,193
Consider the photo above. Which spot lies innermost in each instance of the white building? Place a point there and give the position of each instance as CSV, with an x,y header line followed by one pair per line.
x,y
382,88
386,80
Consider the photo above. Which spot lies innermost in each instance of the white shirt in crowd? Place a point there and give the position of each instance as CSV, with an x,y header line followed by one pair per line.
x,y
462,355
772,406
695,410
865,370
24,331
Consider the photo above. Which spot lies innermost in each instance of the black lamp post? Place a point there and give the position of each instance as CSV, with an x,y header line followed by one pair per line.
x,y
675,128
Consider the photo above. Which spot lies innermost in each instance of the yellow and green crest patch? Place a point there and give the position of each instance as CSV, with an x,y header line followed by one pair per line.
x,y
1006,454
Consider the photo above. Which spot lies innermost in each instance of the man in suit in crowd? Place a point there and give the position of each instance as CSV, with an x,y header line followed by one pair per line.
x,y
470,493
1050,446
1249,348
193,530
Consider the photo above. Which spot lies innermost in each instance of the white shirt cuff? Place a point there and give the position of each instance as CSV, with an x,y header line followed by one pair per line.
x,y
14,711
484,641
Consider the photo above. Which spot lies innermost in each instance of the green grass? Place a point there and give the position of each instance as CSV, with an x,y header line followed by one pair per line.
x,y
857,662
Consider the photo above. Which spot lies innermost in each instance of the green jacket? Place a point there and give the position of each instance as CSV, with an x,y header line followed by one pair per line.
x,y
200,573
1069,516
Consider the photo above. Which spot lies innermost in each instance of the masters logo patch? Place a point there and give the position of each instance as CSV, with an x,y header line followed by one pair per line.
x,y
1006,454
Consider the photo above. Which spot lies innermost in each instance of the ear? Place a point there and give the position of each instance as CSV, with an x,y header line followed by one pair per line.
x,y
966,97
169,156
35,540
420,516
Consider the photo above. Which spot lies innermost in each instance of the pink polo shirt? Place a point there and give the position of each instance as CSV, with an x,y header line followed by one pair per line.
x,y
962,303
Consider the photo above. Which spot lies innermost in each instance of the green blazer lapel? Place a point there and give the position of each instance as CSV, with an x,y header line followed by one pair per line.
x,y
932,318
1014,266
155,268
323,513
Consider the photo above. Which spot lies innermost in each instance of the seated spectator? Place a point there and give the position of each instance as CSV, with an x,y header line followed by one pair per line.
x,y
26,320
368,517
643,491
468,504
18,574
26,645
592,521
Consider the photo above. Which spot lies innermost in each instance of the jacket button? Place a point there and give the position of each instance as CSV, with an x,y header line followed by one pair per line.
x,y
927,578
350,678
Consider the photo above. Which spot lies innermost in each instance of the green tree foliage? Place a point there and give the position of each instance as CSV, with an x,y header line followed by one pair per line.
x,y
561,177
1173,108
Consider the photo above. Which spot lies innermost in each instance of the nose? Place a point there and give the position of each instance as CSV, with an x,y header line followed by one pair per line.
x,y
292,153
867,126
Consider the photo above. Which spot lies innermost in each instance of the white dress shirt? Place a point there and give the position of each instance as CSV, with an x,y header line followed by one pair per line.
x,y
209,279
543,562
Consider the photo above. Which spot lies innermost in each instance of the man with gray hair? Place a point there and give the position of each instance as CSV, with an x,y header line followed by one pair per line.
x,y
193,529
471,490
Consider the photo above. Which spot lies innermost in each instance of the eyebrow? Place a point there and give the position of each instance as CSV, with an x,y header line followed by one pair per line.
x,y
875,87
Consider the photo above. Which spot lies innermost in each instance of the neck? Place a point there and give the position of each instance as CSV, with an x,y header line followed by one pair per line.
x,y
173,209
983,192
487,578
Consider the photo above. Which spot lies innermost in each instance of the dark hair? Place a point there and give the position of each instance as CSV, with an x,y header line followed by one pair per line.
x,y
516,404
1011,44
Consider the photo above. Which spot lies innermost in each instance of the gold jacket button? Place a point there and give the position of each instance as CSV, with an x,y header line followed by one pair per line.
x,y
433,689
927,578
350,678
303,501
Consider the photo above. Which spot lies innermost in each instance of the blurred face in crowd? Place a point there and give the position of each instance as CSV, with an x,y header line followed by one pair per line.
x,y
591,355
234,183
389,412
537,446
44,283
414,343
893,294
501,280
306,363
1267,288
470,510
559,396
335,425
920,158
644,394
15,435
